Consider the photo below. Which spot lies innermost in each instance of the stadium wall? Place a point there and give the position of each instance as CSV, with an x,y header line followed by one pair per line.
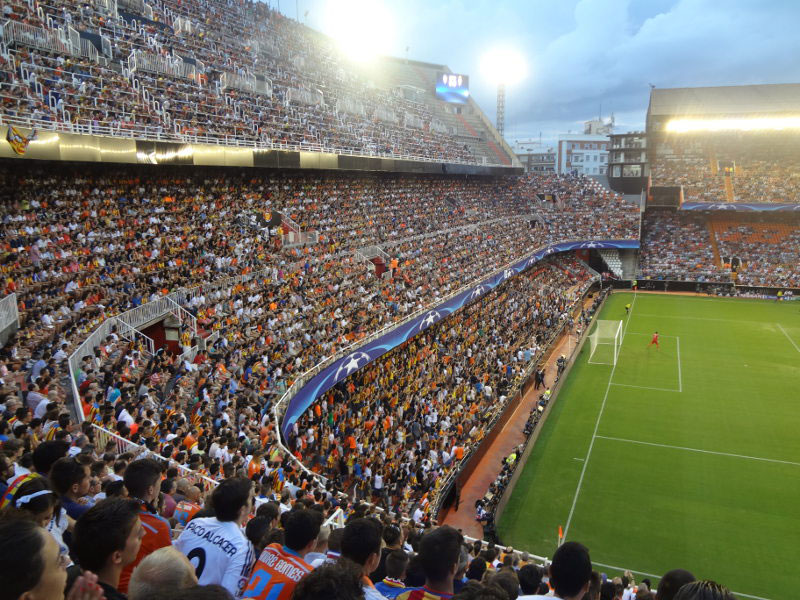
x,y
60,146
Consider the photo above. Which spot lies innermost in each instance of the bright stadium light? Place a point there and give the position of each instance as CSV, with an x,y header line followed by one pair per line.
x,y
503,66
363,28
751,124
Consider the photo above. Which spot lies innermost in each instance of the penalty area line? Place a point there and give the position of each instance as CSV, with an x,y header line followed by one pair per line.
x,y
791,341
700,451
642,387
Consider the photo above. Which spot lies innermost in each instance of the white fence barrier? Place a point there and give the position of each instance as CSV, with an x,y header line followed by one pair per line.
x,y
102,438
9,314
387,115
36,37
350,106
246,82
306,97
155,63
414,121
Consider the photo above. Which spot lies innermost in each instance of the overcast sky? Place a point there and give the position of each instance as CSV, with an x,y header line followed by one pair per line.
x,y
584,54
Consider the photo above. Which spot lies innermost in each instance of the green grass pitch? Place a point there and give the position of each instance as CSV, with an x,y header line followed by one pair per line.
x,y
683,457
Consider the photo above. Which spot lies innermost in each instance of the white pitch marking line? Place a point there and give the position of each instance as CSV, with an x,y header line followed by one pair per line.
x,y
641,387
680,378
787,336
702,318
758,458
597,425
622,570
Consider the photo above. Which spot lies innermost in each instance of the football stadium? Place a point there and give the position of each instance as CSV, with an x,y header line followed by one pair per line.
x,y
289,317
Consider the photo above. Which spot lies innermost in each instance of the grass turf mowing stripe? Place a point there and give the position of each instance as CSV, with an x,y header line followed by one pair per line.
x,y
774,460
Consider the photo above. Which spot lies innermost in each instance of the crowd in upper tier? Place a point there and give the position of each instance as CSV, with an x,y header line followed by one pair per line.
x,y
752,167
183,69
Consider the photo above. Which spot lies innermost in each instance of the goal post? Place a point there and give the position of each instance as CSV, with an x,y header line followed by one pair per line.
x,y
604,343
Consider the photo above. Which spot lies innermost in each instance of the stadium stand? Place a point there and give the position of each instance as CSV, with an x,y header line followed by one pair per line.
x,y
164,71
137,235
742,167
84,244
749,250
359,434
265,276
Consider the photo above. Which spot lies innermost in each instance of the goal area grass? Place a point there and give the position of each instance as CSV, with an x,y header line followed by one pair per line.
x,y
684,456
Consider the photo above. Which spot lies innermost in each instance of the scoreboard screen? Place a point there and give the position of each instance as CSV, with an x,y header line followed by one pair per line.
x,y
452,87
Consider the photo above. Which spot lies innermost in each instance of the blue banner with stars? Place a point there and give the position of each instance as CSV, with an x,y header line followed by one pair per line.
x,y
349,364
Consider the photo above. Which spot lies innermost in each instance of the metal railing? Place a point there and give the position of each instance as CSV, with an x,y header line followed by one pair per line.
x,y
307,97
94,340
246,82
155,63
103,436
48,40
367,253
132,334
294,240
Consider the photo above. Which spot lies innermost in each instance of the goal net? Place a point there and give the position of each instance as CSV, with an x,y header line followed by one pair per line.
x,y
605,343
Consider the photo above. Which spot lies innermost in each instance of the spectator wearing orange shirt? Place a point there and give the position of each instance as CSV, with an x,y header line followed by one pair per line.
x,y
142,480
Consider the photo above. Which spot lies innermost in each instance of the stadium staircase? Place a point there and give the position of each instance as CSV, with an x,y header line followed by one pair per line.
x,y
612,260
630,264
711,225
497,153
729,189
380,265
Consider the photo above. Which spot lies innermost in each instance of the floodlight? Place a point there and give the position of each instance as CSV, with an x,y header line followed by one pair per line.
x,y
503,66
363,28
745,124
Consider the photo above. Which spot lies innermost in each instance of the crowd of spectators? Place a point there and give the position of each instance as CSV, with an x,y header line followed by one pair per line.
x,y
694,174
761,166
83,246
752,251
170,71
394,430
765,253
677,246
146,534
486,507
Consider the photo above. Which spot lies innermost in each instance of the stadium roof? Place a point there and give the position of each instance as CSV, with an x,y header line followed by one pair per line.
x,y
725,100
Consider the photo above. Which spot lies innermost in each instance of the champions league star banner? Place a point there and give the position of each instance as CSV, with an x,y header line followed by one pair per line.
x,y
342,368
740,206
